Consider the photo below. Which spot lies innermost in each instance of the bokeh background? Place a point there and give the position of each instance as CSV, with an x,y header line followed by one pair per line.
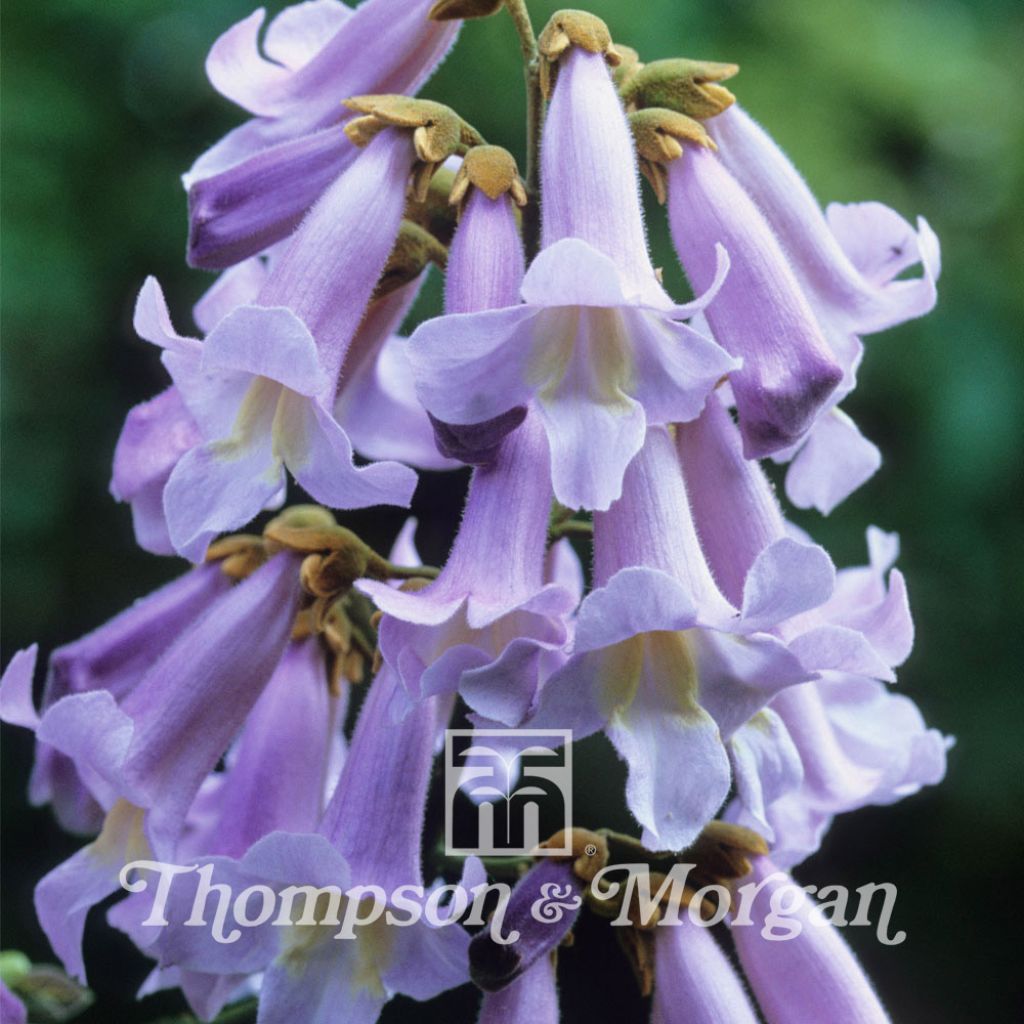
x,y
917,103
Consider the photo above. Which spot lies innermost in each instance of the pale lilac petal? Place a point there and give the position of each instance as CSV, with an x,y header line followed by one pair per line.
x,y
227,658
594,429
152,321
812,976
679,771
238,71
155,435
839,649
275,778
298,33
531,999
786,578
572,272
760,314
237,286
472,367
565,569
64,897
766,765
652,526
635,600
589,174
835,284
734,506
833,462
375,817
266,342
16,706
485,261
319,455
694,982
426,960
313,988
739,675
219,487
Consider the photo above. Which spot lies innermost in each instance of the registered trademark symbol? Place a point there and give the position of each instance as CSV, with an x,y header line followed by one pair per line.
x,y
590,849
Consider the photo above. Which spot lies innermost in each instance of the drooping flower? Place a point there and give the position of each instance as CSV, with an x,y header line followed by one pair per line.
x,y
662,661
848,260
369,836
761,313
145,757
114,658
596,346
841,741
255,185
807,976
531,999
274,779
262,386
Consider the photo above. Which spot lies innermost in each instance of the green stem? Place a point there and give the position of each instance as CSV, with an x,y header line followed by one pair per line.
x,y
572,528
412,572
534,123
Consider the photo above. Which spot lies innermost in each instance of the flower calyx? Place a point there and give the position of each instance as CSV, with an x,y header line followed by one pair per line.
x,y
415,248
437,131
588,851
687,86
572,28
659,134
491,169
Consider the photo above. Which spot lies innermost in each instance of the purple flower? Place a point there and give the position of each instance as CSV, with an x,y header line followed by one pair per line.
x,y
760,313
848,261
489,626
694,982
841,741
255,185
144,758
595,346
662,661
274,780
114,658
369,835
809,976
262,386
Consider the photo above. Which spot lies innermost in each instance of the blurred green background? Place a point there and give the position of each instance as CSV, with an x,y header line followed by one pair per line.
x,y
915,104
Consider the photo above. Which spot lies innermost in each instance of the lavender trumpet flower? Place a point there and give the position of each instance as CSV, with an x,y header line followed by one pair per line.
x,y
145,758
596,347
255,185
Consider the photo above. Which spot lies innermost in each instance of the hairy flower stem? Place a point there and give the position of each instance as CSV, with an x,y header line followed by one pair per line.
x,y
534,123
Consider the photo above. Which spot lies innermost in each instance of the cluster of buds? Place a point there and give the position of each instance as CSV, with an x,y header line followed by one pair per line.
x,y
741,678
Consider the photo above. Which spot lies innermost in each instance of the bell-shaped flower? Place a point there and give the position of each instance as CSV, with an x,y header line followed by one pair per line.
x,y
694,982
849,261
262,386
274,779
114,658
369,836
256,184
761,313
489,626
662,661
840,741
145,757
595,345
801,970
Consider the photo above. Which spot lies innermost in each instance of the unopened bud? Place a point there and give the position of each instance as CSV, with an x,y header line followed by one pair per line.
x,y
685,86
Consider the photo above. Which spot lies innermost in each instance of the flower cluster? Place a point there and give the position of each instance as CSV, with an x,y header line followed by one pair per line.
x,y
743,680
